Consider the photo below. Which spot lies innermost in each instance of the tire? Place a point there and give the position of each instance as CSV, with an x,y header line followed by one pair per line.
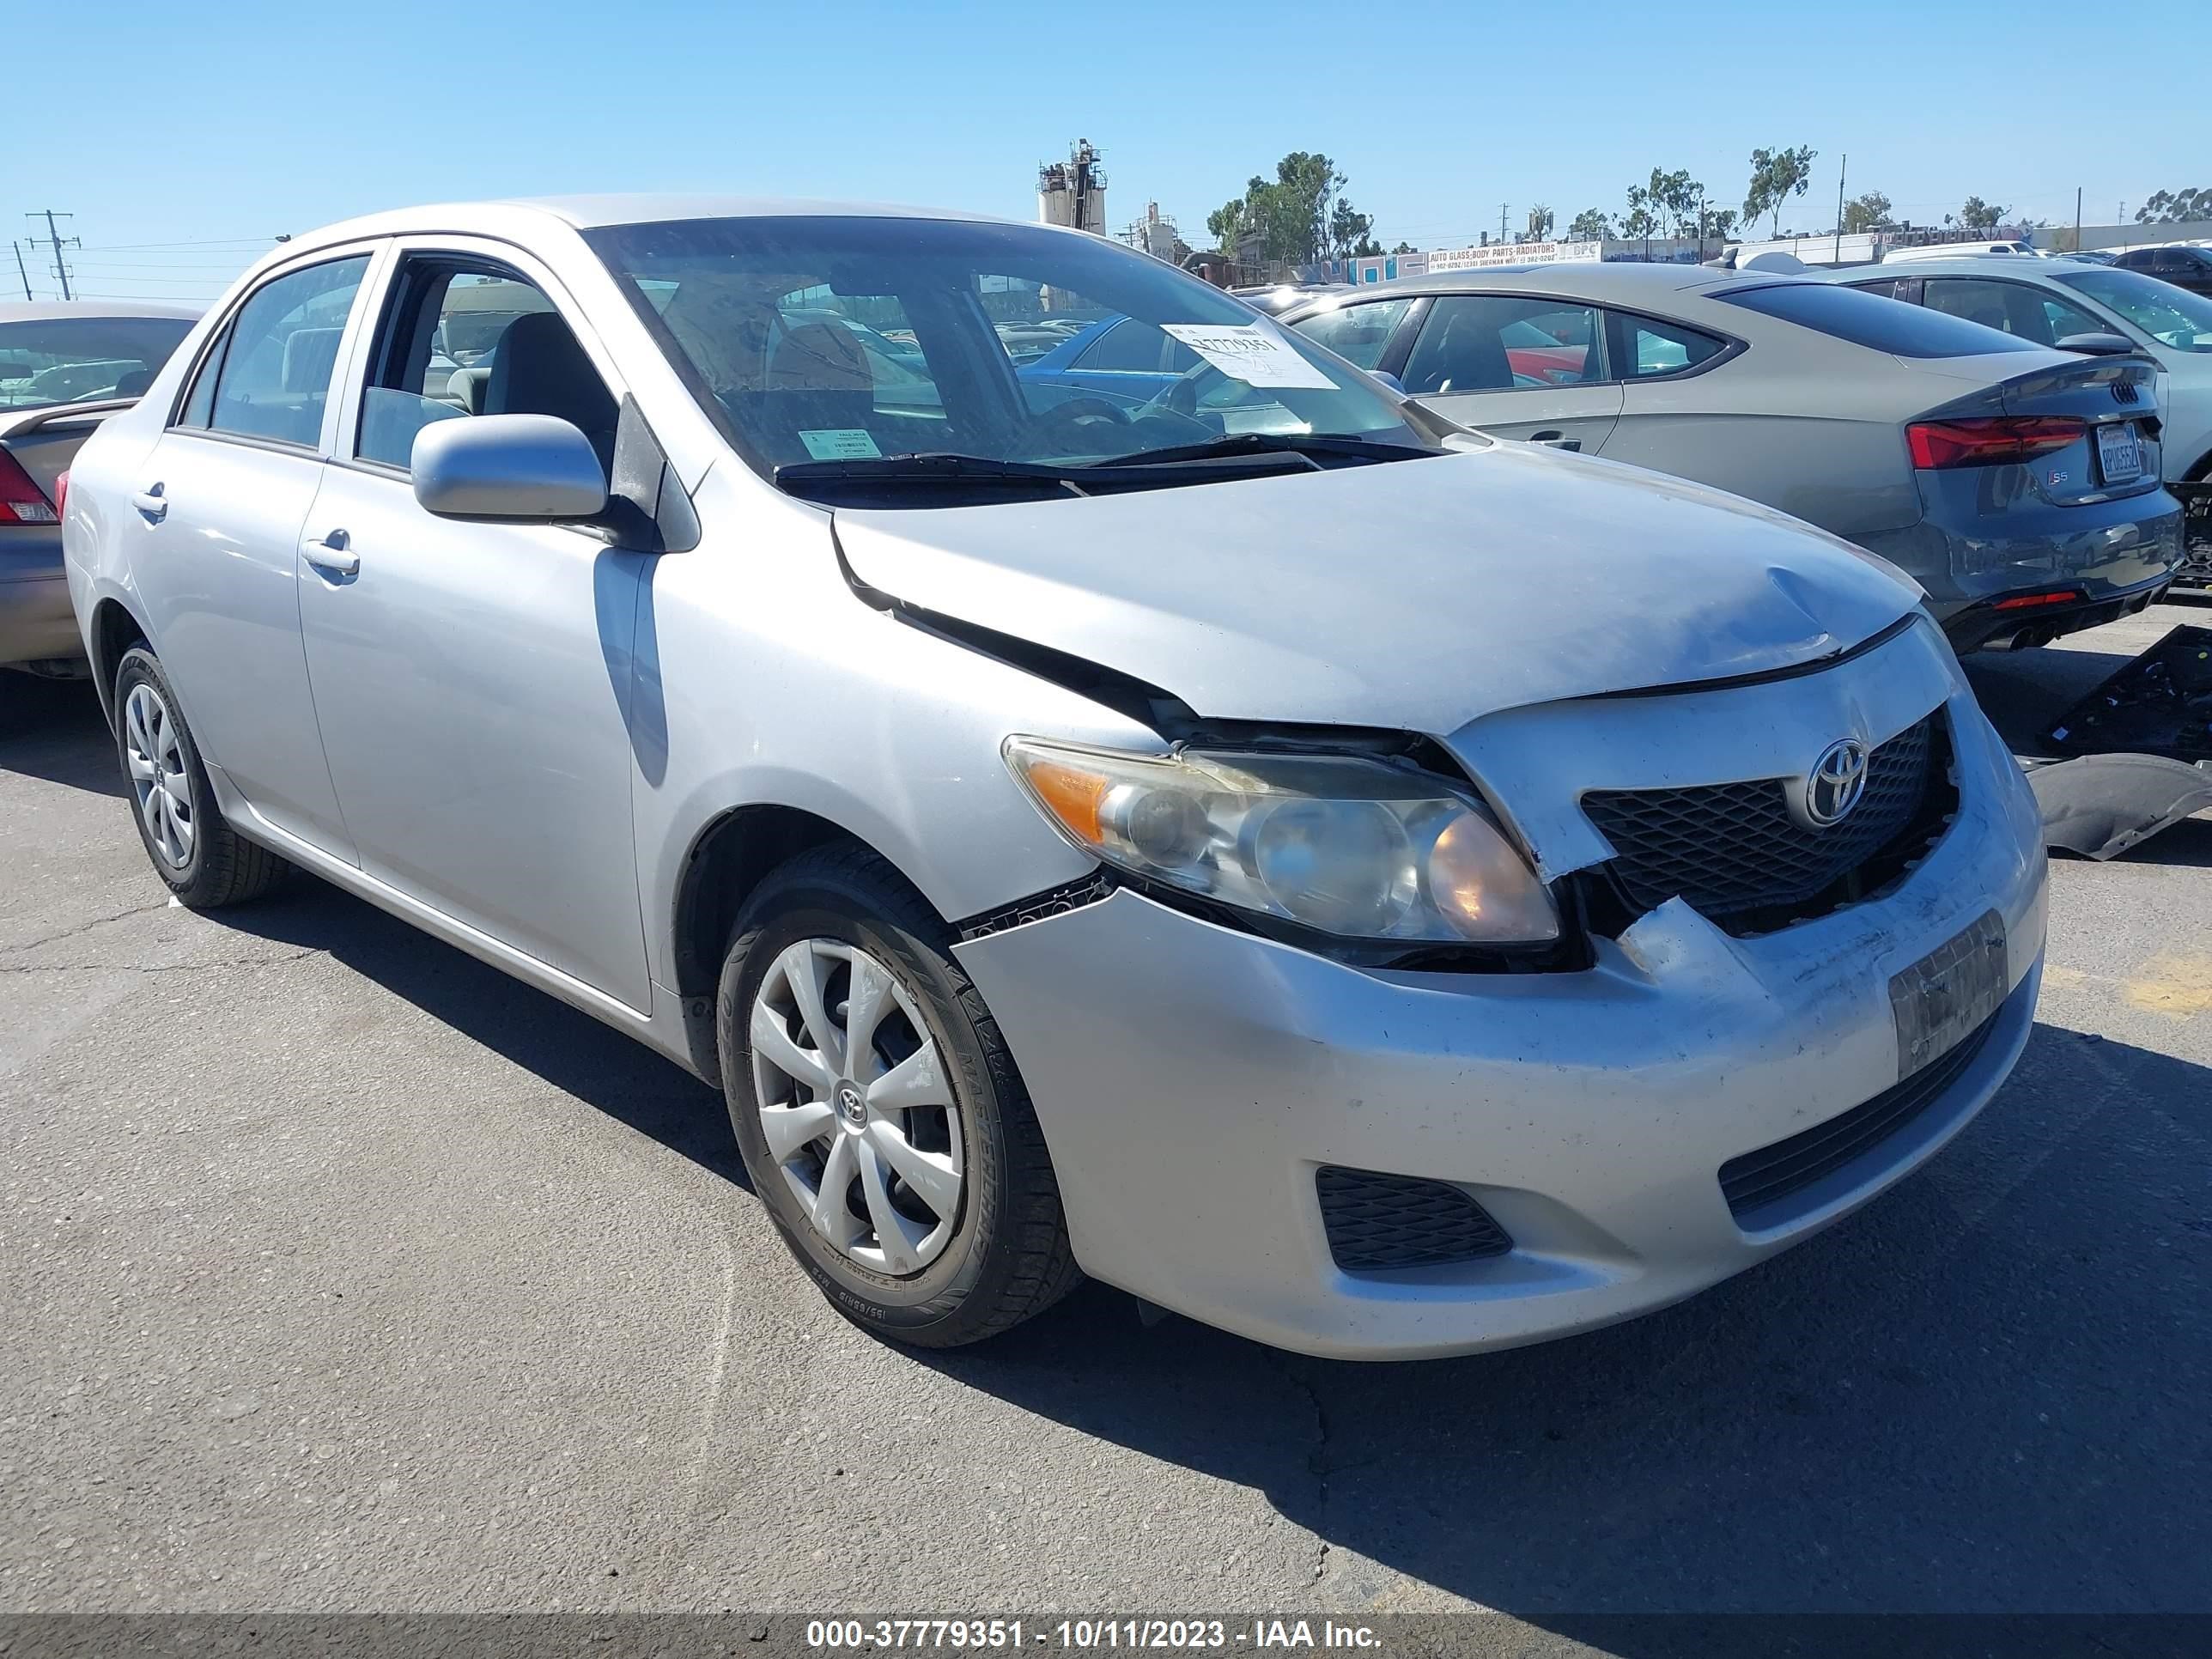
x,y
205,863
917,1276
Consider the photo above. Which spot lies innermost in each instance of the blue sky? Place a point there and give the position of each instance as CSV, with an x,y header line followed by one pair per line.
x,y
222,125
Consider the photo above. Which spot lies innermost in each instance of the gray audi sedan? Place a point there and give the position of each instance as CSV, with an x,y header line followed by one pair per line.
x,y
1379,890
2019,485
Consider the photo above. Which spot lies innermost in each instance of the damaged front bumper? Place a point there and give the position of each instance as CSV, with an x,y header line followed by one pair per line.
x,y
1192,1079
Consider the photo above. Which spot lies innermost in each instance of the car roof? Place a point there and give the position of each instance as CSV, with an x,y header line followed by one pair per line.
x,y
1965,265
1621,283
41,310
519,214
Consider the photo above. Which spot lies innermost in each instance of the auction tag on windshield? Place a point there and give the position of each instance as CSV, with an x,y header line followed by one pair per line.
x,y
841,443
1246,352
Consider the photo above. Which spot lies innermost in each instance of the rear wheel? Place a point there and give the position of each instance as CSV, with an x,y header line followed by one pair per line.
x,y
194,850
881,1118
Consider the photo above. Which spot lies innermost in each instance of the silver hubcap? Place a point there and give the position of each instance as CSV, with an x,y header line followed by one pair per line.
x,y
856,1107
154,756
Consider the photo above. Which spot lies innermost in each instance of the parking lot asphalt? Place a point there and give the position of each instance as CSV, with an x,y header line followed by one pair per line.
x,y
337,1270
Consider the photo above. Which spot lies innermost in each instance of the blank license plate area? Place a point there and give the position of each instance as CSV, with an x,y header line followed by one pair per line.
x,y
2119,457
1948,992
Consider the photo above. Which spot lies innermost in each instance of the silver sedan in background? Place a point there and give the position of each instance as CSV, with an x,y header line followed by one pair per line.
x,y
65,365
2019,485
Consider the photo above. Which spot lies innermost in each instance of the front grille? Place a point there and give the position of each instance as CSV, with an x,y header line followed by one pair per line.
x,y
1377,1220
1757,1184
2124,392
1734,853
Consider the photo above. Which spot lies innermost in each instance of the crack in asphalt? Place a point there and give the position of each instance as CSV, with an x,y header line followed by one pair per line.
x,y
1319,1462
157,966
81,927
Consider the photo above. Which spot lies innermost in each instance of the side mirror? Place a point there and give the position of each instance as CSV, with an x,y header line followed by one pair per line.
x,y
515,467
1388,379
2099,345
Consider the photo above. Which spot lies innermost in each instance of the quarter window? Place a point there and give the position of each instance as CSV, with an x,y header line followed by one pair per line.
x,y
1645,347
1497,342
1357,333
281,353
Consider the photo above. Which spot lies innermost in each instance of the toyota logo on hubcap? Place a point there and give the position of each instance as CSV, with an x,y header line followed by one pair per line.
x,y
850,1106
1837,781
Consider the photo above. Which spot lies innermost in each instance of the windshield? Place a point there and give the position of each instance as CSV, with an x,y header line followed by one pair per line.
x,y
859,340
68,360
2171,316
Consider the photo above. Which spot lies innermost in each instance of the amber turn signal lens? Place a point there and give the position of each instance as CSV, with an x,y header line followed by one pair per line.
x,y
1072,795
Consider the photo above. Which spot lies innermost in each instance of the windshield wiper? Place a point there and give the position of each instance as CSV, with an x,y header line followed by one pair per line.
x,y
931,468
1308,444
922,467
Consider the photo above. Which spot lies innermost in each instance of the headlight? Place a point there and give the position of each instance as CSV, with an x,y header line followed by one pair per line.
x,y
1355,848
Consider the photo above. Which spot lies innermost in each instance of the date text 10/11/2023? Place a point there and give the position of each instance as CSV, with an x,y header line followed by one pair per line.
x,y
1086,1634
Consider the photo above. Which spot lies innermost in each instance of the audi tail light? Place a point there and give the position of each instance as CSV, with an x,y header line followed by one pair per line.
x,y
1994,441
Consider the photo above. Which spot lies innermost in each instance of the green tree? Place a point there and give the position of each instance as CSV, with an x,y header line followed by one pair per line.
x,y
1405,247
1674,197
1301,214
1591,225
2174,207
1975,214
1226,223
1539,223
1720,222
1775,176
1351,233
1865,213
1640,220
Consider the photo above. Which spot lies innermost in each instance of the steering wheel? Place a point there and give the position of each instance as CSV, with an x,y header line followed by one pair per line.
x,y
1074,414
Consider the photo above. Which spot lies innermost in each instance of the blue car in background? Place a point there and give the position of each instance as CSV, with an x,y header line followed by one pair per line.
x,y
1117,358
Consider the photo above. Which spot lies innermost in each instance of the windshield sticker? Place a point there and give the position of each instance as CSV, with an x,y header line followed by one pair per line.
x,y
1254,355
841,443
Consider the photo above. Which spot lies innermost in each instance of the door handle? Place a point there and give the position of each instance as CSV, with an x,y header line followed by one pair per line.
x,y
332,554
153,503
1556,440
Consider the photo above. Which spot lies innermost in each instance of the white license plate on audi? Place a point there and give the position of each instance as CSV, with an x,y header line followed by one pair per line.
x,y
1944,998
2119,457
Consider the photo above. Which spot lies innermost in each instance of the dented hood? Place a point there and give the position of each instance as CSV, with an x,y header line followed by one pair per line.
x,y
1415,595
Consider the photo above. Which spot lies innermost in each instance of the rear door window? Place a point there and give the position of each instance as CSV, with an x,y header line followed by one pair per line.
x,y
1357,333
281,354
1862,319
2031,313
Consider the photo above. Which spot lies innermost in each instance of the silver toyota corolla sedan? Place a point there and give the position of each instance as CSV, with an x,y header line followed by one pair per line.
x,y
2019,485
1381,890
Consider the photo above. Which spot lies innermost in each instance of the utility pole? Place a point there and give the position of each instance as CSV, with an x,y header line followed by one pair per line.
x,y
1840,171
54,241
1502,234
2077,218
1701,224
20,271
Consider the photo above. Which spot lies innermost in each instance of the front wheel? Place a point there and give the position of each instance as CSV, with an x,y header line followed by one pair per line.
x,y
205,863
880,1116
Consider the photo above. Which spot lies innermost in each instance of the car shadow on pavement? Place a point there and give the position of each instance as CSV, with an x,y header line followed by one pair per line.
x,y
1982,1392
53,729
572,1051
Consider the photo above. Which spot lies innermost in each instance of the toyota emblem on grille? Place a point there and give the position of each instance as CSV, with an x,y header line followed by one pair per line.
x,y
1837,781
